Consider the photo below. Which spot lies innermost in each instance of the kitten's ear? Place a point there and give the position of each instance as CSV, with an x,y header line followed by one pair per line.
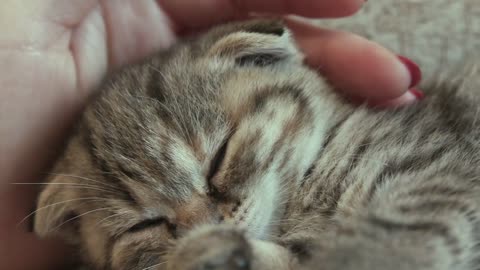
x,y
54,210
264,26
258,42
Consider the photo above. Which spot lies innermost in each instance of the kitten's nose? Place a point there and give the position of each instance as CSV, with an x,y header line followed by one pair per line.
x,y
217,218
199,210
228,210
203,210
221,212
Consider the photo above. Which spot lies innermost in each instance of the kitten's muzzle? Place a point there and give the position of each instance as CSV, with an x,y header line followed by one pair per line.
x,y
205,210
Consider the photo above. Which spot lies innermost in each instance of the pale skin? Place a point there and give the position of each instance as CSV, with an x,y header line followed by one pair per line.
x,y
53,54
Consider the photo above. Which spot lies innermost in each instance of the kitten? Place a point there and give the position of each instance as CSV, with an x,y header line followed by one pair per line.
x,y
227,152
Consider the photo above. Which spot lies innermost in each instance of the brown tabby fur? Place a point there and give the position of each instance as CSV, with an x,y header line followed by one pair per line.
x,y
226,152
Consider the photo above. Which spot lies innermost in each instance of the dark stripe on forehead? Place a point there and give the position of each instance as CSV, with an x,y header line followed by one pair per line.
x,y
242,165
291,92
289,132
302,118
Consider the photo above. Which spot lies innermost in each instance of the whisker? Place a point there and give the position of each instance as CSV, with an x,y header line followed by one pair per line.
x,y
83,178
108,217
147,98
57,203
161,254
72,185
155,69
155,265
78,216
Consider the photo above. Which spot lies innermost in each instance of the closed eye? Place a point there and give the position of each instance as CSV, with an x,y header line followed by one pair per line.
x,y
148,224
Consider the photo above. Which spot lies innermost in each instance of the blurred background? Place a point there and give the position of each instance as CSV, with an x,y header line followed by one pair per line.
x,y
437,34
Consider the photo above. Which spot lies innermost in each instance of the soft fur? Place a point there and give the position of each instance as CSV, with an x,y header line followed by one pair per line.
x,y
226,152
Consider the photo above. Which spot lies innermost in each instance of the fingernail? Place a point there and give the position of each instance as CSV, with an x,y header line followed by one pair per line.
x,y
417,93
413,69
403,100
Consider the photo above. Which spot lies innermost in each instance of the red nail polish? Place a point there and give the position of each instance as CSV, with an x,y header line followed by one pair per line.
x,y
417,93
413,68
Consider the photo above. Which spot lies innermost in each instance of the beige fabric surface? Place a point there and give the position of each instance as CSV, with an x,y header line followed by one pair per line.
x,y
438,34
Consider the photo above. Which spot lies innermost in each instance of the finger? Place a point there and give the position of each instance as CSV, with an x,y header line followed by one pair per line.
x,y
306,8
68,13
135,29
354,65
32,18
411,96
197,14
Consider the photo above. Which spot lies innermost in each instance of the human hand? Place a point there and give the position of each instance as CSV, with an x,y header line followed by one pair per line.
x,y
53,53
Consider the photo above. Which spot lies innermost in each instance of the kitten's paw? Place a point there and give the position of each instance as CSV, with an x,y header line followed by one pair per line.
x,y
217,247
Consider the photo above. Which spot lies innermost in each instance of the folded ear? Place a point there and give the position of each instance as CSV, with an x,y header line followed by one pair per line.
x,y
54,210
258,42
264,26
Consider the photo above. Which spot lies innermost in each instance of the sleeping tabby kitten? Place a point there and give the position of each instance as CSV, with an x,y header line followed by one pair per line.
x,y
226,152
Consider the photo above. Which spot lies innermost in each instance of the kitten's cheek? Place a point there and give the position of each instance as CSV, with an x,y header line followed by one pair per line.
x,y
135,257
140,250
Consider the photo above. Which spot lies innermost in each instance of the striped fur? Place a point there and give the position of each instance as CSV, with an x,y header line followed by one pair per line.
x,y
226,152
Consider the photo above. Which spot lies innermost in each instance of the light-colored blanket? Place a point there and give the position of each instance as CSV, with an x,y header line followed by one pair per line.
x,y
437,34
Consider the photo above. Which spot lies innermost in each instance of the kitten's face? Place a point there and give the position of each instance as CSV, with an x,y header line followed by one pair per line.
x,y
215,130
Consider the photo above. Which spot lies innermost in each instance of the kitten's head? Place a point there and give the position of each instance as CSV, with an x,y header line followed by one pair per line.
x,y
217,129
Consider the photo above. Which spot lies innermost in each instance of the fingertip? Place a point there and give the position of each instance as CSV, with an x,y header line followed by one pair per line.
x,y
191,14
350,7
413,68
407,98
389,77
376,73
353,64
